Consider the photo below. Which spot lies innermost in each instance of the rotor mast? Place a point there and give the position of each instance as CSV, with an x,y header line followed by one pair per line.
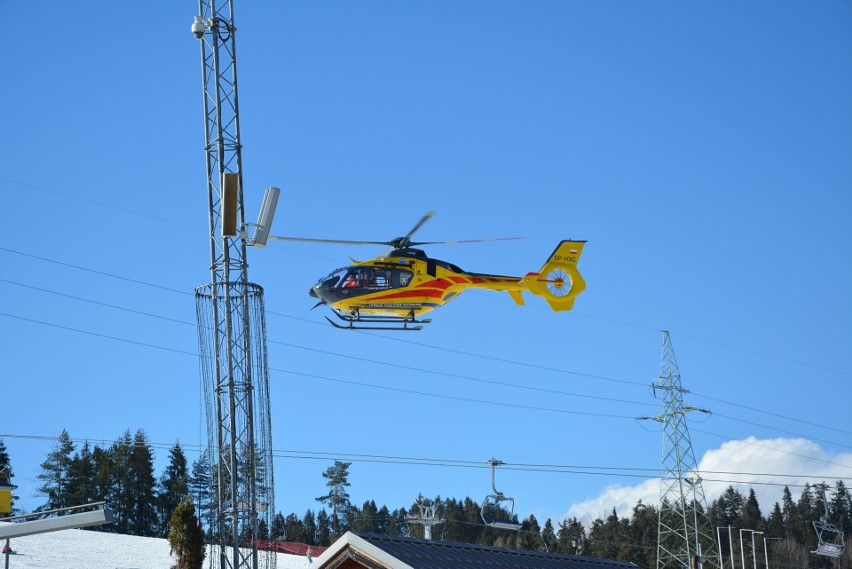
x,y
231,318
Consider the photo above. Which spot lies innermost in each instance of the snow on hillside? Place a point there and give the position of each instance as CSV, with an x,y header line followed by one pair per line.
x,y
81,549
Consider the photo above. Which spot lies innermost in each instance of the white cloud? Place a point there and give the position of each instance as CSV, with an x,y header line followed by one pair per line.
x,y
752,463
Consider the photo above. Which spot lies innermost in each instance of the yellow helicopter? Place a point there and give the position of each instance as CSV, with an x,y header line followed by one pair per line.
x,y
393,291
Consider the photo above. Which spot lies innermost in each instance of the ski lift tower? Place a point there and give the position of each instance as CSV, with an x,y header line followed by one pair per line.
x,y
684,529
231,319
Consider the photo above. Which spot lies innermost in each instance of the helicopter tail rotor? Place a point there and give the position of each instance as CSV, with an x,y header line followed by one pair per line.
x,y
559,282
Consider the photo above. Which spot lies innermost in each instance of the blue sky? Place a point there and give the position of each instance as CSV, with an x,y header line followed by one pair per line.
x,y
702,149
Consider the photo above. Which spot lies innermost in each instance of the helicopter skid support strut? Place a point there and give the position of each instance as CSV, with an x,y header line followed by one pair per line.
x,y
357,321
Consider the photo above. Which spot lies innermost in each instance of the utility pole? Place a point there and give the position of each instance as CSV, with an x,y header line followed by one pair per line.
x,y
231,319
684,529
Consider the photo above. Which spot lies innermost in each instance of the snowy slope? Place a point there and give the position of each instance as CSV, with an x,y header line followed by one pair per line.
x,y
80,549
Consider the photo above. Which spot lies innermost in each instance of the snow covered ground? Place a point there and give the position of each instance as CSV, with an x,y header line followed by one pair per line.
x,y
81,549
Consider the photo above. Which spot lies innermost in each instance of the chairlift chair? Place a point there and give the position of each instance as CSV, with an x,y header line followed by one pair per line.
x,y
830,539
491,507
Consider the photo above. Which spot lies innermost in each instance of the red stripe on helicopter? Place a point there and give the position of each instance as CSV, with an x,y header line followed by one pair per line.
x,y
410,294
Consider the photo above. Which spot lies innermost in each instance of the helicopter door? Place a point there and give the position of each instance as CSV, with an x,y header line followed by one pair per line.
x,y
431,267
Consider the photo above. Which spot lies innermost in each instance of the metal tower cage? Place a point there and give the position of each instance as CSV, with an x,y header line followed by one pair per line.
x,y
231,321
684,529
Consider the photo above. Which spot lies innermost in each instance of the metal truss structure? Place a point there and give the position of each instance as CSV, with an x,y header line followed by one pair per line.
x,y
684,531
231,320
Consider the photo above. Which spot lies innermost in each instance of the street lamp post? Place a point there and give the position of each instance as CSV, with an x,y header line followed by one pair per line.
x,y
753,552
766,549
692,482
742,549
730,545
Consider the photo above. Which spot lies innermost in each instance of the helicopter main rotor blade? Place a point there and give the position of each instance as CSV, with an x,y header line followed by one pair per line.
x,y
406,241
337,241
465,241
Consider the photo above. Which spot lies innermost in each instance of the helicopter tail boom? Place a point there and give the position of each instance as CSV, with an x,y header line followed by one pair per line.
x,y
559,282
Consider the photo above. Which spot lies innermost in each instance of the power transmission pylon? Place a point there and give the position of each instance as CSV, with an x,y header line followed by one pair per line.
x,y
231,320
684,528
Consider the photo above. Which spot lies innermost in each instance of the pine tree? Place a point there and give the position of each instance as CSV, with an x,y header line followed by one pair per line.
x,y
840,508
81,477
727,510
752,518
293,529
644,525
775,522
548,536
810,509
530,535
276,533
54,475
143,517
323,529
572,537
309,522
792,518
607,537
201,487
337,480
121,493
173,488
186,537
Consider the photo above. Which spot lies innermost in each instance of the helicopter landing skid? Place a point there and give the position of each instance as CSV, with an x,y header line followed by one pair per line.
x,y
358,322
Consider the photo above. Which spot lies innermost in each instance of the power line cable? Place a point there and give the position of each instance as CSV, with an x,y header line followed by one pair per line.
x,y
471,354
593,470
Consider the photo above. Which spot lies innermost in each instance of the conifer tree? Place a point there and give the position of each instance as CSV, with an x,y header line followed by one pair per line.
x,y
323,529
727,509
293,530
572,537
840,507
792,517
548,535
54,474
276,533
752,518
309,523
644,527
173,487
201,487
143,515
121,492
186,537
530,535
337,480
775,523
81,477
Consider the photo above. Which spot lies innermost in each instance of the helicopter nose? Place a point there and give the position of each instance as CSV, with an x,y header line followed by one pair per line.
x,y
313,293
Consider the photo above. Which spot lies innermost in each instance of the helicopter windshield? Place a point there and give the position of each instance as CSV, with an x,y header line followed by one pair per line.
x,y
366,277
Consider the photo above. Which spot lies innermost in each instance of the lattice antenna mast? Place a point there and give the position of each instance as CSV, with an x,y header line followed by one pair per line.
x,y
231,319
684,529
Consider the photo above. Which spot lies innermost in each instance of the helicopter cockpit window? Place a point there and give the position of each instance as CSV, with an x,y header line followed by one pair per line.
x,y
354,278
404,277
